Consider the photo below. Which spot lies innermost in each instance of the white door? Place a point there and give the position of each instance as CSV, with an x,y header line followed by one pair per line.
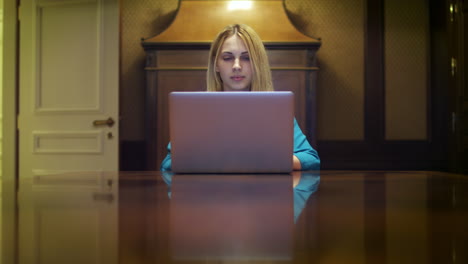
x,y
68,80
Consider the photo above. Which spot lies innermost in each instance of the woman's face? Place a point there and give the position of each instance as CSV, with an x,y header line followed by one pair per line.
x,y
234,66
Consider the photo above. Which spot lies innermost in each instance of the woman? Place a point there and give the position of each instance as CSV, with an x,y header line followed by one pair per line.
x,y
238,62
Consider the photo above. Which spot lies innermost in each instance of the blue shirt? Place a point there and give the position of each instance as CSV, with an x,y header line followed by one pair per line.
x,y
302,150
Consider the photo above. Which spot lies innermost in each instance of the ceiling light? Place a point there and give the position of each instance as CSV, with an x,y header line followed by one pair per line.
x,y
239,5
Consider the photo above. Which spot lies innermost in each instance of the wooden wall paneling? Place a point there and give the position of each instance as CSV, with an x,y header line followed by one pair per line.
x,y
374,73
284,80
374,152
438,78
296,70
151,115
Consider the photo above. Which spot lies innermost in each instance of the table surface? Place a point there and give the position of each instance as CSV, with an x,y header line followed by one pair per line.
x,y
303,217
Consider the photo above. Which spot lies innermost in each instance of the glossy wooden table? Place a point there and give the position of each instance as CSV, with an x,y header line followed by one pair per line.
x,y
308,217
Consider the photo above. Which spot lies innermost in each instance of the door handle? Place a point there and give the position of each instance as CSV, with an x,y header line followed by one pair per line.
x,y
108,122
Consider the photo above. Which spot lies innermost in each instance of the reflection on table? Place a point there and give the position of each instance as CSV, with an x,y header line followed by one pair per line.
x,y
304,184
331,217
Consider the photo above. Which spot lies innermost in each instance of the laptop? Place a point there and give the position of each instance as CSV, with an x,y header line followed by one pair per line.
x,y
231,132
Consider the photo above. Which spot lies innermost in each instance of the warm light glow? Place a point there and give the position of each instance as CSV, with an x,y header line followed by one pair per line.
x,y
236,5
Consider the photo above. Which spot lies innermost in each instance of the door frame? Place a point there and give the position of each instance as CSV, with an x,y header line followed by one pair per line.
x,y
9,127
10,95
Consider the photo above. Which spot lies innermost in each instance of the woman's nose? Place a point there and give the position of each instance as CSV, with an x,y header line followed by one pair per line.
x,y
236,65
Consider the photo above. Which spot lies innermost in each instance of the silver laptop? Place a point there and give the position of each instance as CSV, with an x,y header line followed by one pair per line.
x,y
231,132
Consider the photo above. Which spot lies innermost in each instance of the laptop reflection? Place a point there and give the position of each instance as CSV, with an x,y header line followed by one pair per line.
x,y
238,217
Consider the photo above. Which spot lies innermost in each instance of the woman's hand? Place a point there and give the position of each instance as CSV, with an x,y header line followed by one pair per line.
x,y
296,163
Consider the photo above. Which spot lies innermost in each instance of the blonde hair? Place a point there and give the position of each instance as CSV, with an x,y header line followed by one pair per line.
x,y
261,79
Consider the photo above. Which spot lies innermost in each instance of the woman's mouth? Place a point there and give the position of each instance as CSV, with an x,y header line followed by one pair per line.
x,y
237,78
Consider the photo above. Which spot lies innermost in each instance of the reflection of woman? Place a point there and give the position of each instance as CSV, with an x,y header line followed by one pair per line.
x,y
238,62
306,185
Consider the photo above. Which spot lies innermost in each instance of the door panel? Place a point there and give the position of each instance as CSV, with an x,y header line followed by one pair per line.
x,y
68,56
68,79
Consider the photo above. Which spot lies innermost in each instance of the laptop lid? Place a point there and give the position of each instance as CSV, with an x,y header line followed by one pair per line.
x,y
231,132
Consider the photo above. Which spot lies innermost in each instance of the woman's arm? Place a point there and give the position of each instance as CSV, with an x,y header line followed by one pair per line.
x,y
166,164
307,156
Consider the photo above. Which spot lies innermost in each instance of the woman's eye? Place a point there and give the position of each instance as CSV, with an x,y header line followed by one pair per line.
x,y
227,58
245,58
